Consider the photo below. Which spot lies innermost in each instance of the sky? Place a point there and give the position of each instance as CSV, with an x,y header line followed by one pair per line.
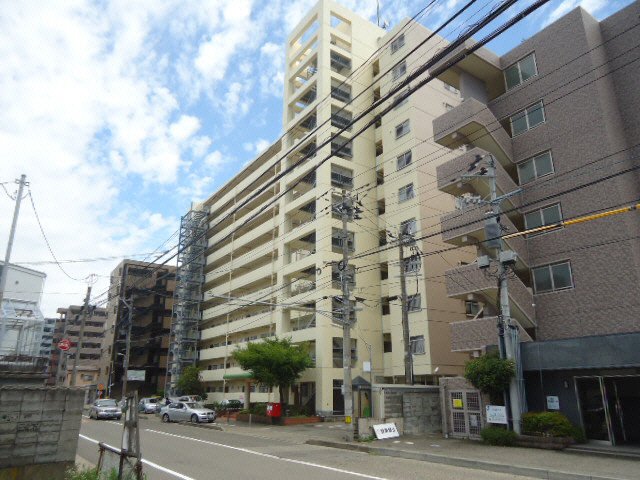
x,y
122,113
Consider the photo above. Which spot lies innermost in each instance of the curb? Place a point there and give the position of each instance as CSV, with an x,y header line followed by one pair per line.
x,y
461,462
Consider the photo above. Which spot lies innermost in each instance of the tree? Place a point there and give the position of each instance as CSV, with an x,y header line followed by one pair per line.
x,y
490,374
190,383
274,362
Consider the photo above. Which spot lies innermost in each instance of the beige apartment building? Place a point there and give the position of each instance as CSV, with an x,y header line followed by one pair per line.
x,y
270,268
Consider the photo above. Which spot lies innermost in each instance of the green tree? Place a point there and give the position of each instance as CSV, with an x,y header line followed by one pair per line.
x,y
274,362
190,383
490,374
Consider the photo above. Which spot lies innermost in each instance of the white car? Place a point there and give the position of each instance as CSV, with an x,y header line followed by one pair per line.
x,y
185,412
105,408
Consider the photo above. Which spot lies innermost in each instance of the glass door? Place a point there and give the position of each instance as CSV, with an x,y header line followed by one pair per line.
x,y
593,406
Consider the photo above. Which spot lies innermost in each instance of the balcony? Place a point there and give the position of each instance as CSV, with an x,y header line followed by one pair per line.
x,y
469,279
476,334
449,176
473,123
463,227
483,65
339,63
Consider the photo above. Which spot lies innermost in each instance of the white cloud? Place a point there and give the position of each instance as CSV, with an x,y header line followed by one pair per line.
x,y
184,128
591,6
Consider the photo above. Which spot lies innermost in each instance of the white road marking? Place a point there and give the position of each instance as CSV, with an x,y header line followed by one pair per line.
x,y
145,462
266,455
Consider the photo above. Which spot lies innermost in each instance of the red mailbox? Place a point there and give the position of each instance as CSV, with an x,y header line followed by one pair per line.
x,y
274,409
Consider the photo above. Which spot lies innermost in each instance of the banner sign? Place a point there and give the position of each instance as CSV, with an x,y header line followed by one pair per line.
x,y
496,414
386,430
136,375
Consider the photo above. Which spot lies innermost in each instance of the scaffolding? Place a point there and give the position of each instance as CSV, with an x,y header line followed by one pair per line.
x,y
21,331
187,296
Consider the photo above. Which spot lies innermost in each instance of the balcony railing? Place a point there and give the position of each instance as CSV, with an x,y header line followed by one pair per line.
x,y
340,62
478,333
340,94
340,121
340,180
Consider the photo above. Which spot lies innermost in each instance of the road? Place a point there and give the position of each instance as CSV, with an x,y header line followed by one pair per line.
x,y
180,451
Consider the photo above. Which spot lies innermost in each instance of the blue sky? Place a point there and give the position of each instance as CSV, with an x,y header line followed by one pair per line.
x,y
121,113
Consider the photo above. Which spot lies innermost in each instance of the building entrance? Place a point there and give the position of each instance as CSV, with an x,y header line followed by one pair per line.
x,y
610,408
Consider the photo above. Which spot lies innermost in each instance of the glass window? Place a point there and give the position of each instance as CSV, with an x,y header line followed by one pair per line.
x,y
413,303
397,44
405,193
398,71
527,118
404,100
535,167
521,71
417,345
408,227
553,277
403,129
543,216
404,160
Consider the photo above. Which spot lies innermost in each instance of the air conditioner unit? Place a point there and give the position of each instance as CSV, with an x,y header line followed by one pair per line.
x,y
483,262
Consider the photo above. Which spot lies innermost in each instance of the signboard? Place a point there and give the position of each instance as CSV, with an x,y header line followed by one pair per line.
x,y
457,403
553,403
366,366
136,375
64,344
386,430
496,414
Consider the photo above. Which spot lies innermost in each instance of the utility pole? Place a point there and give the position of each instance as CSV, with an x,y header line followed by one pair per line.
x,y
125,363
346,210
507,332
3,278
408,355
85,311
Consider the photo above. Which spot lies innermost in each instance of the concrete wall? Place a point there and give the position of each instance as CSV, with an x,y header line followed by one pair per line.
x,y
39,429
414,410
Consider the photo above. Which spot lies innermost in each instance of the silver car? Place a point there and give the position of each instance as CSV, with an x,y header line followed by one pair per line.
x,y
106,408
150,405
187,411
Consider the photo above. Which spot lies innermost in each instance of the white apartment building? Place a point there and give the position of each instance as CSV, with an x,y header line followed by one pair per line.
x,y
284,255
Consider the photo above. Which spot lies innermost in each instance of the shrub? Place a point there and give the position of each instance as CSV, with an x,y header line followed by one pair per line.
x,y
259,409
498,436
490,374
578,434
548,424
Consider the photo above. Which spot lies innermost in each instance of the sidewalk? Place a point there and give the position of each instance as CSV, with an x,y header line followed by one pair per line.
x,y
531,462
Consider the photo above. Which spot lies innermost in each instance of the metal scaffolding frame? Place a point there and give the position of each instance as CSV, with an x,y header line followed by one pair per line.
x,y
187,296
21,330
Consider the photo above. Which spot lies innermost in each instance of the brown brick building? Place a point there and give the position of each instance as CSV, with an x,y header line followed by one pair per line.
x,y
559,114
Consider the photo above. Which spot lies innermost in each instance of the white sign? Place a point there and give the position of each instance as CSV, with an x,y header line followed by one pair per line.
x,y
366,366
496,414
386,430
553,403
136,375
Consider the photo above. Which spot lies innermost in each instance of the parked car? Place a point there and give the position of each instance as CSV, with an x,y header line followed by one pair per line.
x,y
105,408
191,398
150,405
231,404
186,411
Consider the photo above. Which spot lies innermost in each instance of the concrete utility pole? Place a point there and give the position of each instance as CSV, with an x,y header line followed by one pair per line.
x,y
85,311
346,210
3,278
506,329
125,363
408,355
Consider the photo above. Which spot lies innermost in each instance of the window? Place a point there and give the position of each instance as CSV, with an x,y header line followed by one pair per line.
x,y
451,88
550,278
405,193
417,345
397,44
336,276
337,352
542,216
403,129
471,308
404,160
338,241
398,71
412,264
527,119
535,167
520,71
387,345
408,227
341,177
402,102
413,303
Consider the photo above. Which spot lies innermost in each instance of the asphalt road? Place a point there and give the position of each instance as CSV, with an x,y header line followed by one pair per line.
x,y
179,451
